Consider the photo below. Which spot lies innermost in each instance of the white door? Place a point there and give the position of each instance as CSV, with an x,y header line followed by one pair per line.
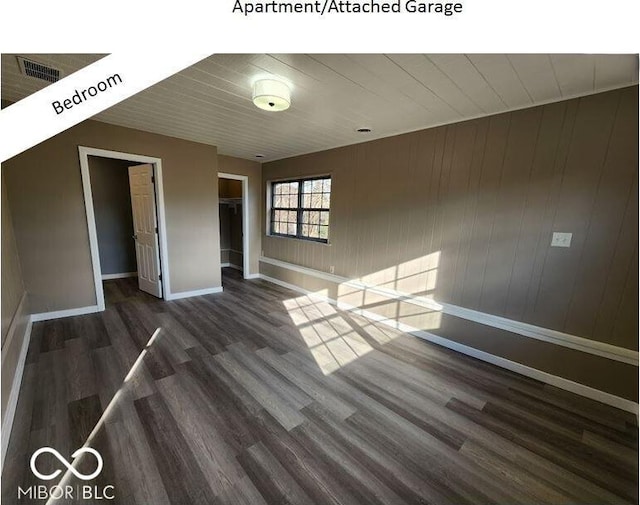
x,y
145,228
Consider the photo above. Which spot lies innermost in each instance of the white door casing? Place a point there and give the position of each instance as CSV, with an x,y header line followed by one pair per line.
x,y
145,228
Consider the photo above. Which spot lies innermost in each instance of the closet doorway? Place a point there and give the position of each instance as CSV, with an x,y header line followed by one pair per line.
x,y
146,230
234,222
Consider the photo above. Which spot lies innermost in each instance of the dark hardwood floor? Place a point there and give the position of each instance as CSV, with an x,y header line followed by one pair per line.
x,y
260,395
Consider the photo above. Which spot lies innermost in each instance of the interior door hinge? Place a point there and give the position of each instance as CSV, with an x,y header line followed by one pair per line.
x,y
156,229
160,277
153,179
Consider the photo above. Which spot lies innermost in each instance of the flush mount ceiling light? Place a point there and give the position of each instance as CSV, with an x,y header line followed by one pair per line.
x,y
272,95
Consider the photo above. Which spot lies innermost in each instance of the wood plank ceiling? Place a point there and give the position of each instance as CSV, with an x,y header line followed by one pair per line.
x,y
334,94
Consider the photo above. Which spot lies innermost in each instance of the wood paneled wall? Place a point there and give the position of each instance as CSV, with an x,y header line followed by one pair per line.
x,y
487,195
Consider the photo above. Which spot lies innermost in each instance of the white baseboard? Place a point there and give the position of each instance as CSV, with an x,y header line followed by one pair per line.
x,y
225,265
12,402
57,314
545,377
589,346
189,294
123,275
252,276
534,373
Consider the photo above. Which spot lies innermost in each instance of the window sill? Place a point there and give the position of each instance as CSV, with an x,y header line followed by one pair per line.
x,y
317,242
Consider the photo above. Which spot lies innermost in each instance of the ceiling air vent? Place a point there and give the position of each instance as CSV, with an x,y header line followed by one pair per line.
x,y
38,70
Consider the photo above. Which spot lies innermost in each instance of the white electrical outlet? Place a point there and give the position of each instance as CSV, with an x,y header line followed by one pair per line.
x,y
561,239
332,269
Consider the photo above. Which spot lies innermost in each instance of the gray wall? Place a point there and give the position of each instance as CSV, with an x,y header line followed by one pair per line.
x,y
225,228
235,236
112,208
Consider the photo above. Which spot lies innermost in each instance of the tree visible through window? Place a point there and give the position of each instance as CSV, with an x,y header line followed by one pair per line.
x,y
300,208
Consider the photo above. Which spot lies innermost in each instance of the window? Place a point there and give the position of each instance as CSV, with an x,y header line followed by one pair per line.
x,y
300,208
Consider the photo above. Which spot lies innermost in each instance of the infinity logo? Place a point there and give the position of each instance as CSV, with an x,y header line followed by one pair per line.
x,y
66,463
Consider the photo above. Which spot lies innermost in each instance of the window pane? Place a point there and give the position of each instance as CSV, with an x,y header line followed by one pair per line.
x,y
315,196
306,187
316,200
311,217
317,186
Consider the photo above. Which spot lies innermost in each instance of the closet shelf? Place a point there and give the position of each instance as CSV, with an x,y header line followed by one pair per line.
x,y
230,201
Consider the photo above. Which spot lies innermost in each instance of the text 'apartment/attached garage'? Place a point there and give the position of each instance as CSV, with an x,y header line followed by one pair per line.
x,y
329,278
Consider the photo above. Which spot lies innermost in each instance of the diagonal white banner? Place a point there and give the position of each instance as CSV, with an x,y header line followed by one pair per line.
x,y
84,94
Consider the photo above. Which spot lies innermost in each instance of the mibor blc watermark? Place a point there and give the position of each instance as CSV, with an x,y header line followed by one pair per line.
x,y
66,491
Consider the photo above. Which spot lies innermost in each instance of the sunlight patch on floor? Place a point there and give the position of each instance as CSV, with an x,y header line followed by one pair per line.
x,y
330,338
400,296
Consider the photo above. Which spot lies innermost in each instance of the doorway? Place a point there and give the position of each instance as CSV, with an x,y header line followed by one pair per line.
x,y
148,227
234,222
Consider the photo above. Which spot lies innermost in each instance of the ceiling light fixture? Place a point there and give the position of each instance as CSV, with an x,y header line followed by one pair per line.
x,y
259,155
271,95
363,130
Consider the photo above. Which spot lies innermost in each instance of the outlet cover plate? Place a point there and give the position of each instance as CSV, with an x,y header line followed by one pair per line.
x,y
561,239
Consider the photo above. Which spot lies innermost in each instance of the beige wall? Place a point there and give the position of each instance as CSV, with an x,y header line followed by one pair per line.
x,y
14,314
464,213
45,192
252,169
12,287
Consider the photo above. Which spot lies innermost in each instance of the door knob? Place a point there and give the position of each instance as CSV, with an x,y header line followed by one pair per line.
x,y
135,237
